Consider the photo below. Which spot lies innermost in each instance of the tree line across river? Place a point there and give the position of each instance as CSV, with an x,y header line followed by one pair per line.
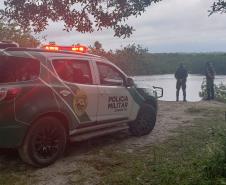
x,y
135,60
195,63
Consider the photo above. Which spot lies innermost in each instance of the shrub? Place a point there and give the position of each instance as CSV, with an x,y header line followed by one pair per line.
x,y
220,91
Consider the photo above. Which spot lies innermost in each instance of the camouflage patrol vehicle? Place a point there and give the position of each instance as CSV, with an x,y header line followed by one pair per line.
x,y
49,97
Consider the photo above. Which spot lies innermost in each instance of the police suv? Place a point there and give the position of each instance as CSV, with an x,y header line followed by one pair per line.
x,y
57,94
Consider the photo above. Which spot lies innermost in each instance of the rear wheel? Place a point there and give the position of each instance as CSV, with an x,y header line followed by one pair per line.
x,y
44,143
145,121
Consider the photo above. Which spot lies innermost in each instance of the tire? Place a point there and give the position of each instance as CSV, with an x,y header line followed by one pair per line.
x,y
44,143
145,121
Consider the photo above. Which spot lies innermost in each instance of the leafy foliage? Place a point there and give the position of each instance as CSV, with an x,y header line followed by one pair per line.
x,y
219,6
14,33
220,92
97,49
81,15
128,58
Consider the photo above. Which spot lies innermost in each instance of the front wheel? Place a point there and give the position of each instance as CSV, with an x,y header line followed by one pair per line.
x,y
144,122
44,143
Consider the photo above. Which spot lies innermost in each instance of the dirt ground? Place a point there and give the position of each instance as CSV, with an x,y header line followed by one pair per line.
x,y
74,166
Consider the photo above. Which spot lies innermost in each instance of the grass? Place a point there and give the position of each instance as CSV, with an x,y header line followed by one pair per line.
x,y
14,175
193,155
13,171
194,110
196,155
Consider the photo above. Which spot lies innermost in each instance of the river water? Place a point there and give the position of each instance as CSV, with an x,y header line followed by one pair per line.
x,y
168,83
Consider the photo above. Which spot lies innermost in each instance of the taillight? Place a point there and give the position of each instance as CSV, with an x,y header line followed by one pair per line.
x,y
9,94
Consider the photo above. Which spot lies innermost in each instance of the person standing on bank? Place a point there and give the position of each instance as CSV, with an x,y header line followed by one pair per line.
x,y
210,75
181,75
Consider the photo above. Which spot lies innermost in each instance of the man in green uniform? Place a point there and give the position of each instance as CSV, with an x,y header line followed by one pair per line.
x,y
181,75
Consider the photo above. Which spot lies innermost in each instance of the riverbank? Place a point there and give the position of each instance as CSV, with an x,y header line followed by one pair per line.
x,y
185,147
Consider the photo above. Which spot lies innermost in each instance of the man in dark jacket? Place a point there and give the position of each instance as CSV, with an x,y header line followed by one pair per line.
x,y
210,75
181,75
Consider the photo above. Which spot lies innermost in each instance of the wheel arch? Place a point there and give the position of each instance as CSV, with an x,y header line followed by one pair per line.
x,y
152,101
134,127
27,151
59,115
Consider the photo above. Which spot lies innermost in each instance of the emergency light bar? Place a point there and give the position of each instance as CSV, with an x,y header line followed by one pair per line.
x,y
52,48
74,48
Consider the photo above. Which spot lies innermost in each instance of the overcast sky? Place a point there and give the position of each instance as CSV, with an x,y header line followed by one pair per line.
x,y
169,26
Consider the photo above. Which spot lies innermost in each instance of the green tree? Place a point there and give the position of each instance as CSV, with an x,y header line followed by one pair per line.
x,y
81,15
130,58
97,45
218,6
13,32
97,49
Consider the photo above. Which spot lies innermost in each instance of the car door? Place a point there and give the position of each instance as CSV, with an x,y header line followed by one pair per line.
x,y
76,88
115,101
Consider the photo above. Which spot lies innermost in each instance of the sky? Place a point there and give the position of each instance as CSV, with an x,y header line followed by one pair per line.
x,y
168,26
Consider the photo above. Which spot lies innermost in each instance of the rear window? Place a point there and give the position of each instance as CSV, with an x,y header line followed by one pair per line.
x,y
18,69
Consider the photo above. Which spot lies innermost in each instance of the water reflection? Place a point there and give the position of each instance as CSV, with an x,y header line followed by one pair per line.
x,y
168,82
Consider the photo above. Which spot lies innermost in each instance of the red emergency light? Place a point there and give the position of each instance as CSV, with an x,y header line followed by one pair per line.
x,y
78,49
74,48
52,48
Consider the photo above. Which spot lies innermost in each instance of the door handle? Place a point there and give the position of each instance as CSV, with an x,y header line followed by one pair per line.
x,y
65,93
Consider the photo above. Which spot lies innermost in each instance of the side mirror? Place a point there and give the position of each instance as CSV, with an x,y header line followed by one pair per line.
x,y
157,90
129,82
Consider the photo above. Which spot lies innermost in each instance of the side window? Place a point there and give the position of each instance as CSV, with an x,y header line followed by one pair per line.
x,y
109,75
18,69
75,71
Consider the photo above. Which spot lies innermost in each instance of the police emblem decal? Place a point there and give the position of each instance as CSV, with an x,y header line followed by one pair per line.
x,y
80,102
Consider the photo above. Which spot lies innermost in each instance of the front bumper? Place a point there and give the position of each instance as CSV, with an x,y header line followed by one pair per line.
x,y
12,135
